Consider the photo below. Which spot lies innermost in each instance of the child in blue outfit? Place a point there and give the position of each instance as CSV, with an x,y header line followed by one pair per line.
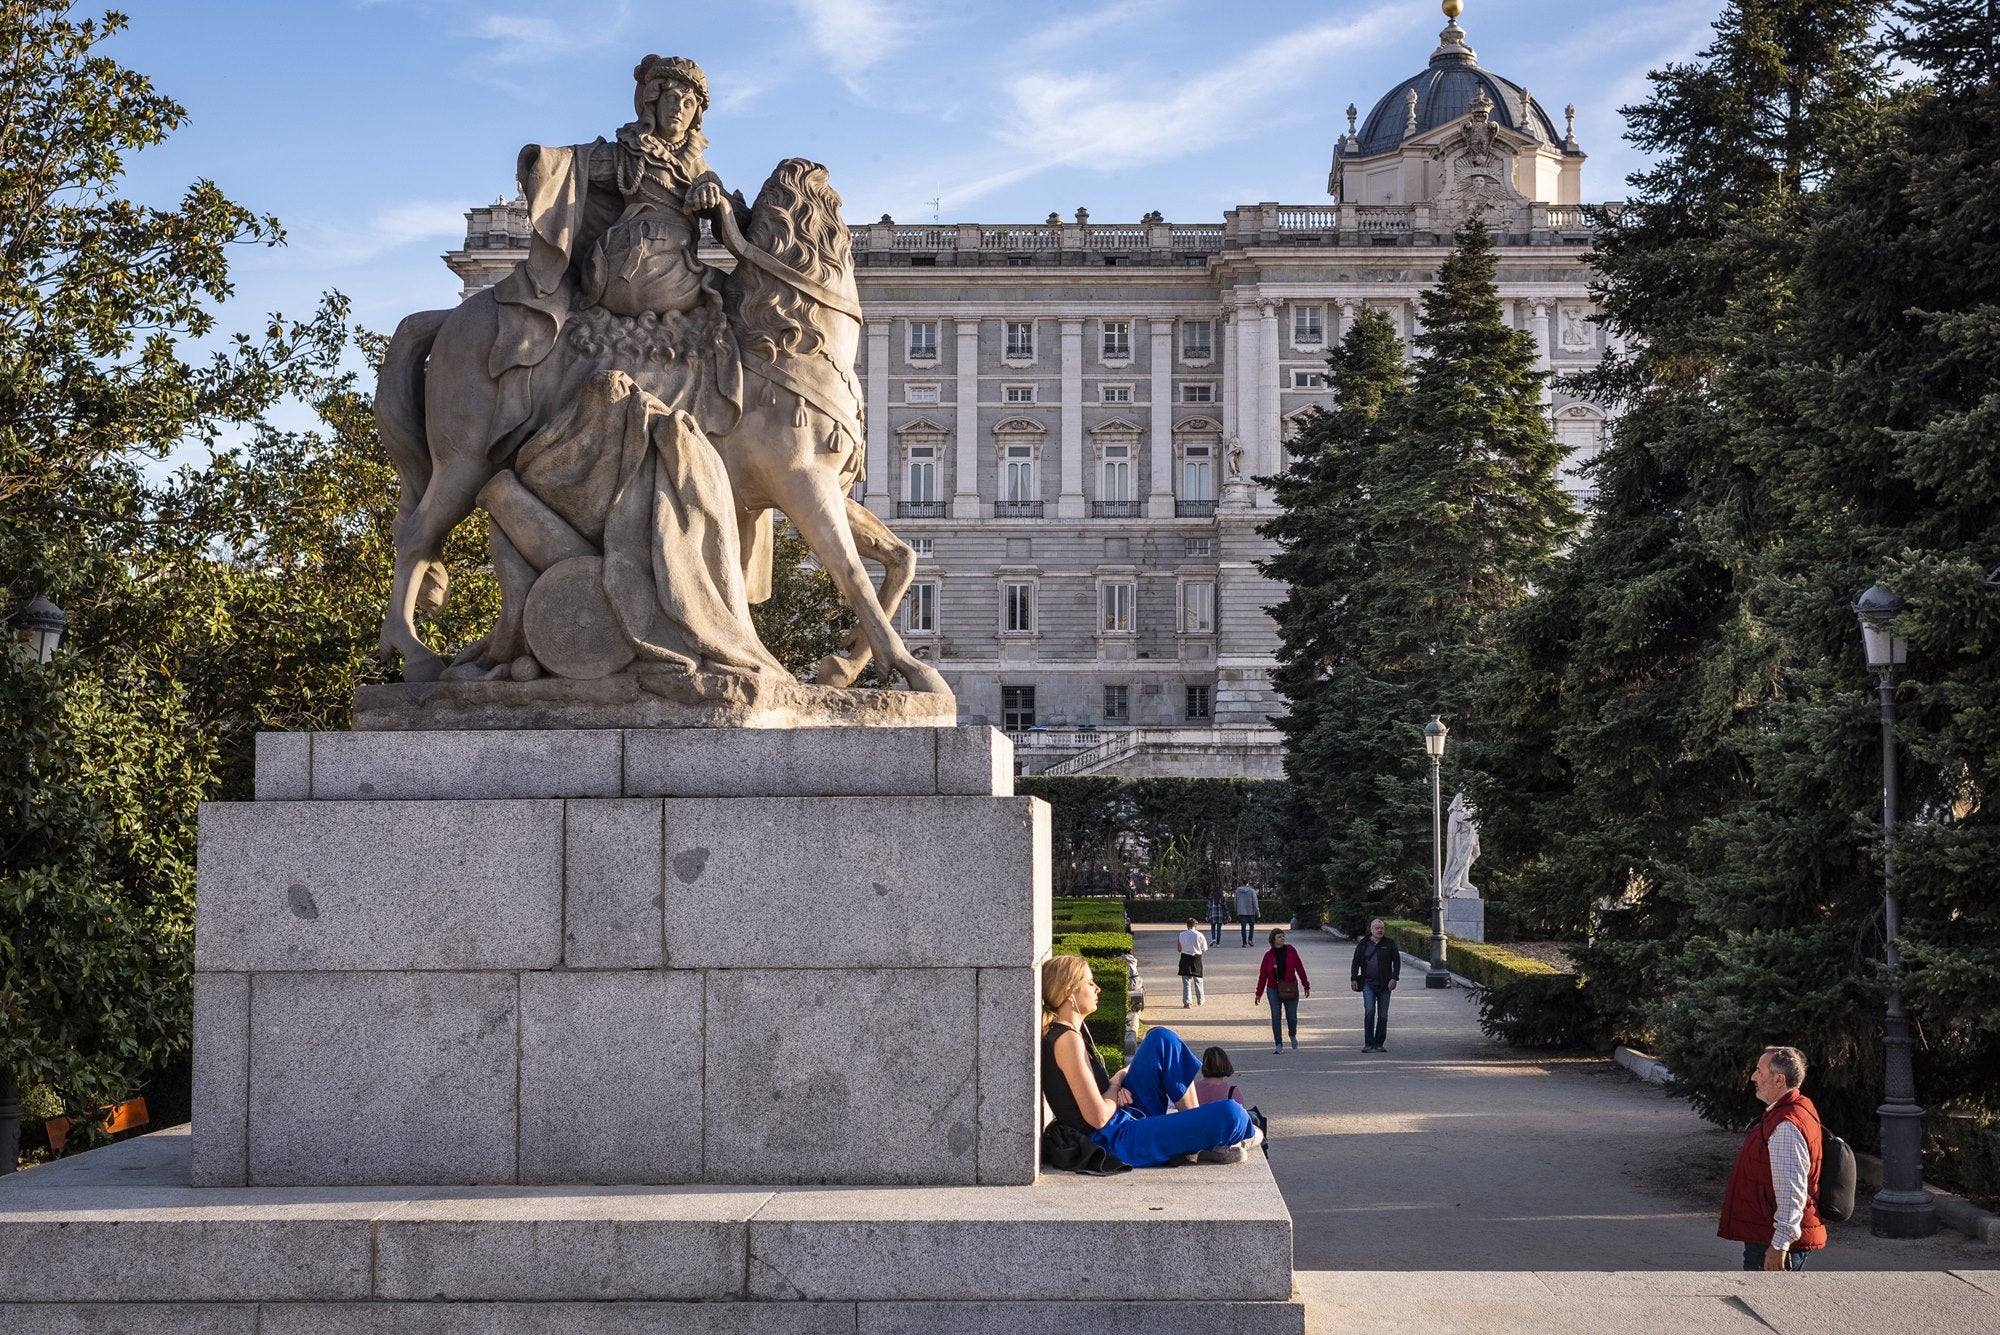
x,y
1147,1114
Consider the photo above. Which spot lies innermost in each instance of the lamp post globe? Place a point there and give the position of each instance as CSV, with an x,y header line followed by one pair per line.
x,y
1902,1208
1437,975
39,625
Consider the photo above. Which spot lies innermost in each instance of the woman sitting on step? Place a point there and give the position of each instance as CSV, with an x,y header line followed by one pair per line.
x,y
1147,1114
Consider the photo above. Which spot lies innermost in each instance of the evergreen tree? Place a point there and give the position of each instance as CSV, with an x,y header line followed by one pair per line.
x,y
1645,667
1422,505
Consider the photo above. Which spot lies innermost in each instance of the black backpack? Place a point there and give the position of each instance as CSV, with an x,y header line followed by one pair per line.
x,y
1835,1201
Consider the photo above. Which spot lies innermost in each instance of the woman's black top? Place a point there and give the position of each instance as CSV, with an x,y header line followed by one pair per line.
x,y
1055,1085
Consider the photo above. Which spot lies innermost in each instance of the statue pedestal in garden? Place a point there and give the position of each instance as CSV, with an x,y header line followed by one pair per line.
x,y
1465,918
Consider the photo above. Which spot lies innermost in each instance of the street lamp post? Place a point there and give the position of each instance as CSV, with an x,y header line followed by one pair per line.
x,y
1902,1208
1437,975
37,626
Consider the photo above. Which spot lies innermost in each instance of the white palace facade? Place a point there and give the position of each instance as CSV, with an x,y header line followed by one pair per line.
x,y
1065,417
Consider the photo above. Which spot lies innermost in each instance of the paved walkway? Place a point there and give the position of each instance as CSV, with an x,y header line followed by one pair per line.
x,y
1452,1152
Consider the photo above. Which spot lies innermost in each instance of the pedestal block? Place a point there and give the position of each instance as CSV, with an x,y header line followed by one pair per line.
x,y
1465,919
621,957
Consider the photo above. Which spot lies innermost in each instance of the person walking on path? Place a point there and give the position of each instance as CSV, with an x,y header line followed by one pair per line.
x,y
1193,946
1768,1205
1377,965
1282,977
1218,914
1246,911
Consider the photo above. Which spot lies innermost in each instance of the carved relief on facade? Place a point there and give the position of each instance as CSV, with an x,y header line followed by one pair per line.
x,y
1475,175
1574,331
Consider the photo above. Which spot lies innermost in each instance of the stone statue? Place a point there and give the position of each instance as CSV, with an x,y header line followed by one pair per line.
x,y
629,417
1461,849
1577,335
1235,457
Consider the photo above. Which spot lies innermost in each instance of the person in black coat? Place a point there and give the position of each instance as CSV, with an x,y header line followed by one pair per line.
x,y
1377,965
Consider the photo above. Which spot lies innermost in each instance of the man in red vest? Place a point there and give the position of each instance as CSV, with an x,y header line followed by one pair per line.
x,y
1768,1206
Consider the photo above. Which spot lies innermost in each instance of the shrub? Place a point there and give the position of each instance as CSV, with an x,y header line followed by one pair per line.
x,y
1523,1002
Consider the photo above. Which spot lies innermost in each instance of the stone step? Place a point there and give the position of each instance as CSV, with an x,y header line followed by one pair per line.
x,y
1142,1251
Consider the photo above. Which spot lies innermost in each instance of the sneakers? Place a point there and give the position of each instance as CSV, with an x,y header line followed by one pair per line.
x,y
1295,1042
1227,1154
1277,1049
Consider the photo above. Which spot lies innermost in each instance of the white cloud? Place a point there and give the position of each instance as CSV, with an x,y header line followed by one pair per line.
x,y
854,35
344,242
524,39
1089,119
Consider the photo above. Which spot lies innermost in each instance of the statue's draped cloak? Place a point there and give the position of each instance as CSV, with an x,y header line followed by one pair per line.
x,y
642,483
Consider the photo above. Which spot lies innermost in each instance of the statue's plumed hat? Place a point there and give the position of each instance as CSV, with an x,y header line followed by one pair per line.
x,y
672,67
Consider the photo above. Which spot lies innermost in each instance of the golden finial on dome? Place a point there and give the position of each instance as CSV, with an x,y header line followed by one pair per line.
x,y
1453,8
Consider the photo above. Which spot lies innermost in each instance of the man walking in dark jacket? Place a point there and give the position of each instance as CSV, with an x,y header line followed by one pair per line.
x,y
1377,966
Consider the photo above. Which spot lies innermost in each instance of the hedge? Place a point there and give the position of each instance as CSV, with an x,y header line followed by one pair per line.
x,y
1523,1002
1180,910
1102,947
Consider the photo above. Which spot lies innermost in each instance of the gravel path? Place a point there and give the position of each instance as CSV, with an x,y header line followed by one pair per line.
x,y
1454,1152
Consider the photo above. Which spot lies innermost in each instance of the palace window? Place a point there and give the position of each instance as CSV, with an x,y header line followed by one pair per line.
x,y
1116,394
1197,340
923,340
1117,488
922,546
1308,325
920,394
1198,702
1198,473
1021,339
1017,609
1200,546
1197,607
920,608
1117,340
1197,393
1019,393
921,483
1117,704
1308,380
1017,708
1115,606
1017,475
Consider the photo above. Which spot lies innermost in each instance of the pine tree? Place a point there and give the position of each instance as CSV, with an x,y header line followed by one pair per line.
x,y
1423,506
1646,667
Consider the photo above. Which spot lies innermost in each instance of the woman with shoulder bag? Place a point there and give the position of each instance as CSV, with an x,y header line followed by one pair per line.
x,y
1282,976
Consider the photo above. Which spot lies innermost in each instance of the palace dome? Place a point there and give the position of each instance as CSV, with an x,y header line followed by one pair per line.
x,y
1445,92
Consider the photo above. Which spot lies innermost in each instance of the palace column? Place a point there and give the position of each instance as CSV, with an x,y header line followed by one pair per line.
x,y
1263,458
965,487
1160,424
877,497
1231,330
1069,503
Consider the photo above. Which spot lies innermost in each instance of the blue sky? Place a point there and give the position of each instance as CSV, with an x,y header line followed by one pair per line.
x,y
369,126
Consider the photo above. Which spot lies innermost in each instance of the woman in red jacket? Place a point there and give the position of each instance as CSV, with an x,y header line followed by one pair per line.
x,y
1283,976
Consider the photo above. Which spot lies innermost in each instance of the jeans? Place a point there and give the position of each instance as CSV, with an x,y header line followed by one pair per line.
x,y
1248,922
1753,1257
1215,929
1193,985
1290,1012
1374,1014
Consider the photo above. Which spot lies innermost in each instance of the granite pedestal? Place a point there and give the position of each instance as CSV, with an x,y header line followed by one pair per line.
x,y
621,957
1465,919
118,1241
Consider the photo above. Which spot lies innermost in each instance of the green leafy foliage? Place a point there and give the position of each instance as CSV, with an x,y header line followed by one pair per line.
x,y
804,619
112,746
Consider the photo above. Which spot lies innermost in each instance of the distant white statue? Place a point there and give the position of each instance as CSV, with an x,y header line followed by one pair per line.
x,y
1461,849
